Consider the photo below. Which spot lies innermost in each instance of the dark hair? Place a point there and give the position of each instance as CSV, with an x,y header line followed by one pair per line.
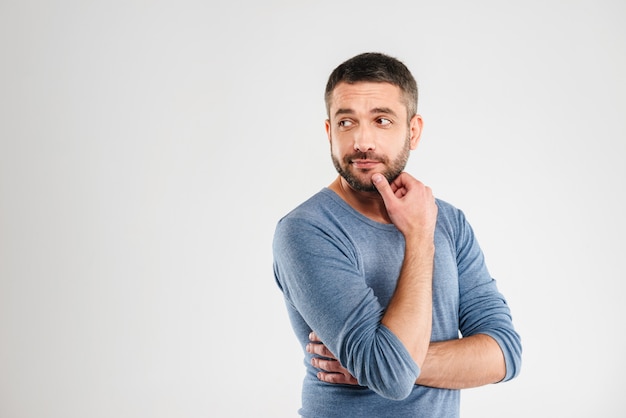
x,y
378,68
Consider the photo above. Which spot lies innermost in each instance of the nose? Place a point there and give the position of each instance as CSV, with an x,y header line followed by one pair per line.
x,y
364,140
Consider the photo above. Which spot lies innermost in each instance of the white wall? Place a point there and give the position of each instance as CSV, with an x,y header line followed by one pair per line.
x,y
147,150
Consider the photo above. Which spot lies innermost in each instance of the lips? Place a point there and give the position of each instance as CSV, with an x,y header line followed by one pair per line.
x,y
364,164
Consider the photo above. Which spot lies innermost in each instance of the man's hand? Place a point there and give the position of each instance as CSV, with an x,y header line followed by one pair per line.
x,y
331,370
410,205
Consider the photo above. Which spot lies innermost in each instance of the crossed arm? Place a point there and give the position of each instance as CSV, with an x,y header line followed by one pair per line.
x,y
455,364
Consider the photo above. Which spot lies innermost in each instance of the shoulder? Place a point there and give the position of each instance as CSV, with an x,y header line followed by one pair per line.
x,y
311,235
453,224
316,215
312,210
449,214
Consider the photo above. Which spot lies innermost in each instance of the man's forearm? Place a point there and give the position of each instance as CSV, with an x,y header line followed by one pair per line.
x,y
464,363
409,314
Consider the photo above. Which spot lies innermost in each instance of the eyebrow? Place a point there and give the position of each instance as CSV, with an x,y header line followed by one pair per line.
x,y
386,110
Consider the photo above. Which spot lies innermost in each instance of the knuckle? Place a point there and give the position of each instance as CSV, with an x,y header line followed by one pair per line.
x,y
331,378
315,349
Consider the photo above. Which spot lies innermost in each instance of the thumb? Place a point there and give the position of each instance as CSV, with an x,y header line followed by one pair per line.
x,y
383,187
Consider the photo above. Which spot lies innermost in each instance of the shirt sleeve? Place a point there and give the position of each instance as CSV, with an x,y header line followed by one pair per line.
x,y
483,309
319,273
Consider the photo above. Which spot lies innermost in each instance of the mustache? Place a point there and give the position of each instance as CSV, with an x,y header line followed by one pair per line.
x,y
364,156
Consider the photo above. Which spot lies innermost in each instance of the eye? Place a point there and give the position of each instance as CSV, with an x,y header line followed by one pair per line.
x,y
383,121
345,123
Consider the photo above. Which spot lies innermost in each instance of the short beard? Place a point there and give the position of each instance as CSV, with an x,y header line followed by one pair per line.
x,y
393,170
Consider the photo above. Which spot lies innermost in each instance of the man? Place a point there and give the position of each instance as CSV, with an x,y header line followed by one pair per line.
x,y
379,277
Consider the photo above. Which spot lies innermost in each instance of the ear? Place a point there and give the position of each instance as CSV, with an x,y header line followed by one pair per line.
x,y
415,130
327,123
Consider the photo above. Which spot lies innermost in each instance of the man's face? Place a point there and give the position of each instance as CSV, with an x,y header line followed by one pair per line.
x,y
369,132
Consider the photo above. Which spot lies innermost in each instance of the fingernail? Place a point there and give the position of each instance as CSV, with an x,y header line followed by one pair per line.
x,y
377,177
308,348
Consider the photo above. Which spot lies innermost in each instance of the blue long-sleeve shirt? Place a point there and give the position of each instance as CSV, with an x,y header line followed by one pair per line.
x,y
338,270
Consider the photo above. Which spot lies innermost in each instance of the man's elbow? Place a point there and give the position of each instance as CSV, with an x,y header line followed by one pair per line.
x,y
511,346
390,379
395,382
382,364
396,389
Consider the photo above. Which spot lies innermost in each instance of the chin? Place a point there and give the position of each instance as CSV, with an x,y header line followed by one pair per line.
x,y
359,184
364,188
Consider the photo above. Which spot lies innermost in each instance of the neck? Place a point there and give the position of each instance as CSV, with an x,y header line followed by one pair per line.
x,y
369,204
